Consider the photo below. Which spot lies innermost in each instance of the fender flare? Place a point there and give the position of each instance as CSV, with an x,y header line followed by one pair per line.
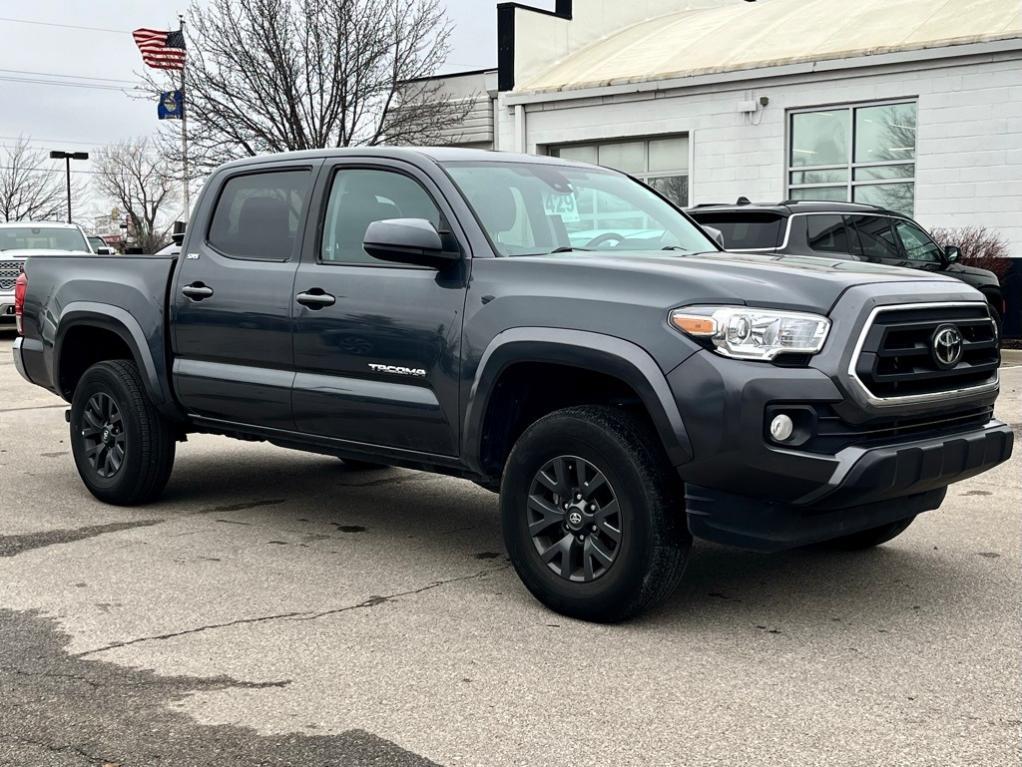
x,y
583,349
128,329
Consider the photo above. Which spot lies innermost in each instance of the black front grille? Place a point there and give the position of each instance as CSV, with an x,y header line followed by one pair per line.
x,y
898,357
9,271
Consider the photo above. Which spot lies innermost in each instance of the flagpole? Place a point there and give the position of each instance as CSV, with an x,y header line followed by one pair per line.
x,y
184,126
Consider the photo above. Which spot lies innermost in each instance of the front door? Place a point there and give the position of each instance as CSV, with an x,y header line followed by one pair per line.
x,y
877,239
377,344
231,300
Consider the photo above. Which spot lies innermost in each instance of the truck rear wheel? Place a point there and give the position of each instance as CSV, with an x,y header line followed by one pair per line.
x,y
122,446
593,514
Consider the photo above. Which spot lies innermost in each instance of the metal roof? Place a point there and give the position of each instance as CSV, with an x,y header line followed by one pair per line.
x,y
774,33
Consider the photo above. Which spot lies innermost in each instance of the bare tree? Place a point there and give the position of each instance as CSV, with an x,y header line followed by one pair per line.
x,y
133,176
29,189
979,246
279,75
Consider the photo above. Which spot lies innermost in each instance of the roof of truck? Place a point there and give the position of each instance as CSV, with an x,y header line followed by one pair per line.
x,y
438,154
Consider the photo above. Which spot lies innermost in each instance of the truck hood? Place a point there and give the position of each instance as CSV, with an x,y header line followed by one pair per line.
x,y
756,279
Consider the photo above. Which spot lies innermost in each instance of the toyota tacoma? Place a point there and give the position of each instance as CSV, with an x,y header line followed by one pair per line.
x,y
553,331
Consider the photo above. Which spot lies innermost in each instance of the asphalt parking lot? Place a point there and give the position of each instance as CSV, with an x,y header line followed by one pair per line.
x,y
278,609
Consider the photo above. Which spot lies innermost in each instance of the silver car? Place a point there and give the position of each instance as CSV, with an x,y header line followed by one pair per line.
x,y
19,240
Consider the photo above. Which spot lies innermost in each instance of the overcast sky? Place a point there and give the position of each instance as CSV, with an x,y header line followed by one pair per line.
x,y
79,118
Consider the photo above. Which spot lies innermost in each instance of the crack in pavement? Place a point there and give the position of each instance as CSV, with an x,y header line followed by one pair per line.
x,y
305,615
33,407
59,749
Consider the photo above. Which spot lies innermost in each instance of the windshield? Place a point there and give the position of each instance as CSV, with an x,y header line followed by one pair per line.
x,y
42,238
532,209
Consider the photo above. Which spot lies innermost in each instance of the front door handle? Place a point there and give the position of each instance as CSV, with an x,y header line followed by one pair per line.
x,y
316,298
197,291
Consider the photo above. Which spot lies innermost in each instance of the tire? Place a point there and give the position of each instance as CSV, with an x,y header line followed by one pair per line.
x,y
649,555
132,465
867,539
998,319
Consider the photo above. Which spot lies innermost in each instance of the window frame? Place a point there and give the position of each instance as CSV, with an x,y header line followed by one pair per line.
x,y
646,175
324,191
261,170
851,165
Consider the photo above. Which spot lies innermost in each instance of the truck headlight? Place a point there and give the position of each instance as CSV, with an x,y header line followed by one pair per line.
x,y
747,333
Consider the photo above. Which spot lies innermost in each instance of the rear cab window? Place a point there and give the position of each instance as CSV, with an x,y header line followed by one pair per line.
x,y
258,215
752,230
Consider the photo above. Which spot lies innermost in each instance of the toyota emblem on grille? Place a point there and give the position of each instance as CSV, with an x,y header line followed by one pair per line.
x,y
947,346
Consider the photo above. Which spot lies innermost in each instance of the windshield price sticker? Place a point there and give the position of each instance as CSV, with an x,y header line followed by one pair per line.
x,y
563,205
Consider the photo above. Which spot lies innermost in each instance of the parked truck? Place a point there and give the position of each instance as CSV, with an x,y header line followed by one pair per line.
x,y
553,331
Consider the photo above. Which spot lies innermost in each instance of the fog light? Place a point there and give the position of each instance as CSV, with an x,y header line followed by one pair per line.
x,y
781,428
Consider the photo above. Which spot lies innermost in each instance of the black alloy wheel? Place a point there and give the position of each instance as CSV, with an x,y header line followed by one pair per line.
x,y
574,519
104,436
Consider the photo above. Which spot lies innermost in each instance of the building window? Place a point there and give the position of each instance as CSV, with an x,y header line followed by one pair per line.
x,y
660,162
864,153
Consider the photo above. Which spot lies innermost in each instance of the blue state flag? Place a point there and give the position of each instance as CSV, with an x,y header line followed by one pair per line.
x,y
172,105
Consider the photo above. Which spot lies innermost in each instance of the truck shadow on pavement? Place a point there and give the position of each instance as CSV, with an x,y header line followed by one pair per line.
x,y
63,710
454,519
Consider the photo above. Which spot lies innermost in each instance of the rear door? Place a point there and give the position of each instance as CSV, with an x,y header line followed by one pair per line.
x,y
231,301
377,344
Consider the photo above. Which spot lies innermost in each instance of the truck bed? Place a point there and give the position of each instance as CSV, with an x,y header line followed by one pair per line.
x,y
65,290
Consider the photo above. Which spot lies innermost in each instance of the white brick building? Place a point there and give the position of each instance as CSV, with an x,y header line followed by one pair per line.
x,y
912,104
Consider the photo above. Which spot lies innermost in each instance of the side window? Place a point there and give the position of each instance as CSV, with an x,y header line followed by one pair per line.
x,y
877,238
358,197
829,234
918,245
258,215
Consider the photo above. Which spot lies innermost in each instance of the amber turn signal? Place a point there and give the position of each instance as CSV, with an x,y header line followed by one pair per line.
x,y
694,324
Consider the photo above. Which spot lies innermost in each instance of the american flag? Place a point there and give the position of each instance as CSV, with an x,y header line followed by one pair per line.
x,y
161,49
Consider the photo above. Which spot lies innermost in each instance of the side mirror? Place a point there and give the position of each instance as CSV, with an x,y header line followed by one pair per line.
x,y
104,251
952,253
407,241
715,234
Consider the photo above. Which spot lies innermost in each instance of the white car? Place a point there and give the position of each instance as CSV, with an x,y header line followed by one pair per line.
x,y
20,239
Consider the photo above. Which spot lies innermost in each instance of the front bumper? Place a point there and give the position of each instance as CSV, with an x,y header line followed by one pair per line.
x,y
744,489
871,487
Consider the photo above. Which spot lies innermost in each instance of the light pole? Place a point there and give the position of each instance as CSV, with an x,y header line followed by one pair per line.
x,y
68,157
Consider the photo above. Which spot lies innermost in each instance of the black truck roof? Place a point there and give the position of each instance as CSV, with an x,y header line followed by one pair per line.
x,y
790,207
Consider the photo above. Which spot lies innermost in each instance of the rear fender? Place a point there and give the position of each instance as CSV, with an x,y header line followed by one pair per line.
x,y
117,320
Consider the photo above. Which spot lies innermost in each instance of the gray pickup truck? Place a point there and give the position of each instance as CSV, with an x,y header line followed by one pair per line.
x,y
555,331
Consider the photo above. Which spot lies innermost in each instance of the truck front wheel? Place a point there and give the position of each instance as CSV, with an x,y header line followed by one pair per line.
x,y
122,446
593,514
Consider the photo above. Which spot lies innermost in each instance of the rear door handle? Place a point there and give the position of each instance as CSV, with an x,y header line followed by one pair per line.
x,y
197,291
316,298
